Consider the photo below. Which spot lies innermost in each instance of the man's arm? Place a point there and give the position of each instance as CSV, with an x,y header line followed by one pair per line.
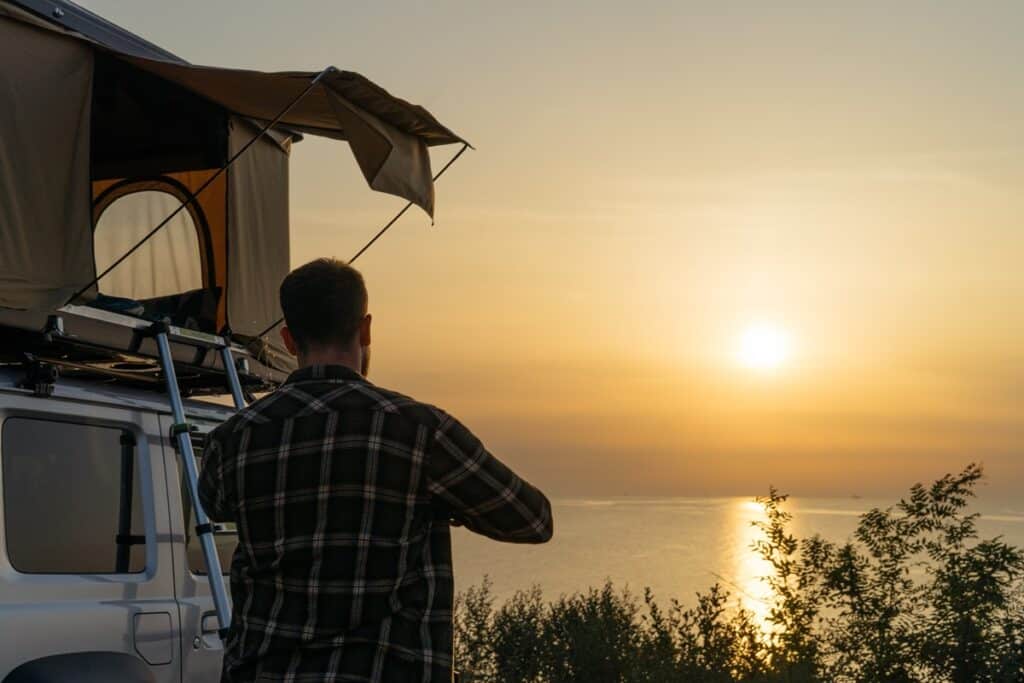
x,y
481,492
212,495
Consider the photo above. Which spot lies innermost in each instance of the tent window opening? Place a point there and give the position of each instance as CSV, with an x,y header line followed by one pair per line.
x,y
169,263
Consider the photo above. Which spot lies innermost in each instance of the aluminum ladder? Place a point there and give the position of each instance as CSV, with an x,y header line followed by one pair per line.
x,y
181,432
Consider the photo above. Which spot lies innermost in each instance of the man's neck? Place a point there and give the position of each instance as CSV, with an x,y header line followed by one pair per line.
x,y
350,359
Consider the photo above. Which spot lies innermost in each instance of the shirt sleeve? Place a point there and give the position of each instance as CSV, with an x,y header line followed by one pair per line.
x,y
480,492
212,495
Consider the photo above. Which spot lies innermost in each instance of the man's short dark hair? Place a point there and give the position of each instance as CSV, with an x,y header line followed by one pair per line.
x,y
323,303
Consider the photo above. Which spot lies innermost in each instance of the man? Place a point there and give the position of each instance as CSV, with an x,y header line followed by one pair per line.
x,y
343,493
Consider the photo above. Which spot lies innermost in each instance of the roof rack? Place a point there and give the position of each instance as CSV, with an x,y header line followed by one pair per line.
x,y
88,342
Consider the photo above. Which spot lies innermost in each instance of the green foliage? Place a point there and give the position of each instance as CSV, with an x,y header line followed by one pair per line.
x,y
913,596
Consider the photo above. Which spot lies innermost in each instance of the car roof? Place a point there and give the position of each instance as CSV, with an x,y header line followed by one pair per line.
x,y
101,393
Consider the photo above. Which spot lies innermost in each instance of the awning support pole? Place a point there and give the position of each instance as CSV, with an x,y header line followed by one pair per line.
x,y
383,230
312,84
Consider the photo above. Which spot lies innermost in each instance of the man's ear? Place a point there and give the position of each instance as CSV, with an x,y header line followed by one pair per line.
x,y
364,330
289,341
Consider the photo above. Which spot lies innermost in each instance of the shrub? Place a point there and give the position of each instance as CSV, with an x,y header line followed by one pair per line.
x,y
913,596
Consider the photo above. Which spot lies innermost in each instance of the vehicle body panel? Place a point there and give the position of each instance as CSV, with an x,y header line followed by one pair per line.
x,y
155,615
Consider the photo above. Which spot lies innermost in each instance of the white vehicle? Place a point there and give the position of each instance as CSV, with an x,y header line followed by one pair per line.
x,y
100,563
143,235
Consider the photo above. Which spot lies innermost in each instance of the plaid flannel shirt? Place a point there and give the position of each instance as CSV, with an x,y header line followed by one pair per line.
x,y
343,493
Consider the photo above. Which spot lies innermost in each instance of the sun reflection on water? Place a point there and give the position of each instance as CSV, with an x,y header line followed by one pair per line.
x,y
748,567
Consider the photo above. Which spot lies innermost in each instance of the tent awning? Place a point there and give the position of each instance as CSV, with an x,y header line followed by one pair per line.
x,y
388,135
261,95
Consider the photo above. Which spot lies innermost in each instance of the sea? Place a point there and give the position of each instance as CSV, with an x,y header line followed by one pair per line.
x,y
674,546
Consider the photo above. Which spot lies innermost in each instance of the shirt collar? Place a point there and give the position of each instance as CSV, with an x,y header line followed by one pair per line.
x,y
313,373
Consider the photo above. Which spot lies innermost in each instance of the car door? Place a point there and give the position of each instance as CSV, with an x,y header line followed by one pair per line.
x,y
85,558
202,649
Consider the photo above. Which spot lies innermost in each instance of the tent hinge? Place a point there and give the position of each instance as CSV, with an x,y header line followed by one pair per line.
x,y
54,328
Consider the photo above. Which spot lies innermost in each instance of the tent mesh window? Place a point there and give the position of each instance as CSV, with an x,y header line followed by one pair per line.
x,y
171,275
168,263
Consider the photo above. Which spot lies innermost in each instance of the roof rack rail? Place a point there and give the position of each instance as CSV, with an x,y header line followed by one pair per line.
x,y
90,342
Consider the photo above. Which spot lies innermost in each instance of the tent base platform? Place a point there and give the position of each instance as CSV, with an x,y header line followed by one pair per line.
x,y
92,343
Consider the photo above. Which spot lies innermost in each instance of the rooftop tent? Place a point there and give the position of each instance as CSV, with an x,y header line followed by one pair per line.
x,y
103,134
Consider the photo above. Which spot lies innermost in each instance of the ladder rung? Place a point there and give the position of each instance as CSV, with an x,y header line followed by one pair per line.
x,y
183,335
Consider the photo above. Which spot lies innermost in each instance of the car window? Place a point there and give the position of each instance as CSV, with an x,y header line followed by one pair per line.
x,y
72,501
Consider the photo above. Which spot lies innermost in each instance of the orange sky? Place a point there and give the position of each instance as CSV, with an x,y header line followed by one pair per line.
x,y
651,180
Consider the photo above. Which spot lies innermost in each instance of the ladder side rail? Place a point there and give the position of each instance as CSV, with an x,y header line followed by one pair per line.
x,y
204,530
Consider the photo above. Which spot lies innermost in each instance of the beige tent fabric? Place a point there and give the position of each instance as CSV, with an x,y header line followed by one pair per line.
x,y
258,248
261,95
391,161
45,219
388,135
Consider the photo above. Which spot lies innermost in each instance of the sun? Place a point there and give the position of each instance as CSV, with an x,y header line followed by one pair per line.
x,y
764,347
